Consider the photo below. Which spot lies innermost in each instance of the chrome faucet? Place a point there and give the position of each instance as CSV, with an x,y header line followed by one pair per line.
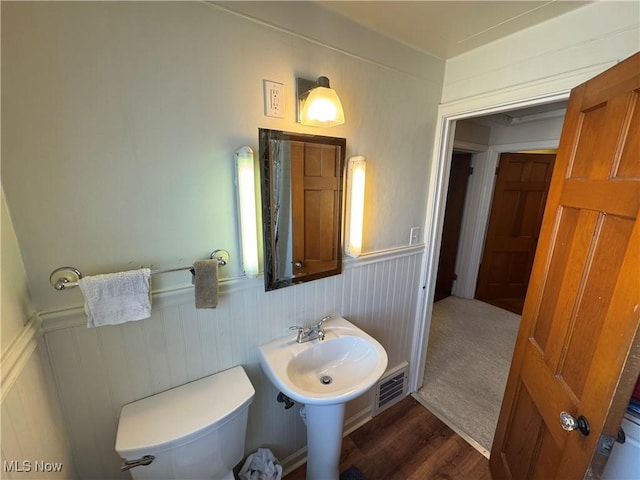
x,y
311,333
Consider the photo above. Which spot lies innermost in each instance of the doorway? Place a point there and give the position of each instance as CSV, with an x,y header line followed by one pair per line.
x,y
465,310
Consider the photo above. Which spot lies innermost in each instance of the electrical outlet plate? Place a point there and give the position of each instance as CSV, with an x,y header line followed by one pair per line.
x,y
273,99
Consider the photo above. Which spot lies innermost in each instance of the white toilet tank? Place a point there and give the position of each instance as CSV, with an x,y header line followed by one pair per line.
x,y
194,431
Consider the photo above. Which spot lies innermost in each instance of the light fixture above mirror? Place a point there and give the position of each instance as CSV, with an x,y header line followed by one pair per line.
x,y
318,104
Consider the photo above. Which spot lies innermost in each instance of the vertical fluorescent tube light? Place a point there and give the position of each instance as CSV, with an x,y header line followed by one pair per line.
x,y
356,173
247,210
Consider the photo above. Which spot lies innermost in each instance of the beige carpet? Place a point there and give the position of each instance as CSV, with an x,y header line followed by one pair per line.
x,y
468,358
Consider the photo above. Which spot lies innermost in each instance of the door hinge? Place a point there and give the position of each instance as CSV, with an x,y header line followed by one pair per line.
x,y
470,170
455,276
497,170
605,445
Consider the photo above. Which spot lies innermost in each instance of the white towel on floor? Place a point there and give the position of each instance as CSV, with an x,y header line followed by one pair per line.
x,y
115,298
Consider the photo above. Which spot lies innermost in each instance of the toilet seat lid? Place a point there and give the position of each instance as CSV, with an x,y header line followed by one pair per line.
x,y
172,416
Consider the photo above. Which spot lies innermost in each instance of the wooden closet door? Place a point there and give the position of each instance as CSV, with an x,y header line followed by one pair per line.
x,y
456,195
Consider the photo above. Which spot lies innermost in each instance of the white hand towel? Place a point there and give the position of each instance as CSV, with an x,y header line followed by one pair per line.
x,y
115,298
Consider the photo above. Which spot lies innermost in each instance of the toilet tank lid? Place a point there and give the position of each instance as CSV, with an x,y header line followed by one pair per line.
x,y
175,415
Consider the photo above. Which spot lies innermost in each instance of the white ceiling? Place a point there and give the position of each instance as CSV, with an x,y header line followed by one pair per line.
x,y
446,29
520,116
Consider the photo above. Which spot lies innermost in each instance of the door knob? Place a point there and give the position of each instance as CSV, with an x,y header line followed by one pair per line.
x,y
298,264
569,423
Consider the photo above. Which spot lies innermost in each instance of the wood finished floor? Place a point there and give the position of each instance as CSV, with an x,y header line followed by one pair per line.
x,y
408,442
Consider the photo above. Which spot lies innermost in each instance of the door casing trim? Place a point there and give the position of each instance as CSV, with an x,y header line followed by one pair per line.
x,y
437,181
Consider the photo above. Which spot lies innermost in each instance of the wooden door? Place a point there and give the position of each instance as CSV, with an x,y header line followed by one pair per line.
x,y
456,195
577,347
315,188
519,198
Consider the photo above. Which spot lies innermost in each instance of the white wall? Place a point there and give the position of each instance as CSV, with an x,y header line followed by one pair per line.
x,y
32,429
468,131
582,42
124,119
119,126
536,133
16,308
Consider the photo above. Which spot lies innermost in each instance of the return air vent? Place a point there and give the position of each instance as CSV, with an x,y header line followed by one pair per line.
x,y
391,388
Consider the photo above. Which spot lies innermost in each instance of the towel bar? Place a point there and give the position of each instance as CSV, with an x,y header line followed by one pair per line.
x,y
67,277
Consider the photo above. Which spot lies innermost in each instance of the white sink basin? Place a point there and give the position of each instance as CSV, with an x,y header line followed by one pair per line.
x,y
323,372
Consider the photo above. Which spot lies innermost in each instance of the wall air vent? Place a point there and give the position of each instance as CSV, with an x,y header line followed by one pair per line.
x,y
391,388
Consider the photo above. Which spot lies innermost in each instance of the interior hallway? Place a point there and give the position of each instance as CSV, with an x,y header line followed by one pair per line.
x,y
468,358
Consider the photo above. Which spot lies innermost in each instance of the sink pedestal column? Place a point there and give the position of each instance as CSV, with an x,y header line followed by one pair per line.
x,y
324,441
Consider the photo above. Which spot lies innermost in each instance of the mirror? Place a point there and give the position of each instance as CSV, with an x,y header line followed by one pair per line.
x,y
301,184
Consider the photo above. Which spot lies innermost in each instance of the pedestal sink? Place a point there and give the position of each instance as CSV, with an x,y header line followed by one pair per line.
x,y
324,375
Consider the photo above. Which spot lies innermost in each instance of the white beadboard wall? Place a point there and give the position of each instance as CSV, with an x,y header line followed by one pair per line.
x,y
100,369
32,431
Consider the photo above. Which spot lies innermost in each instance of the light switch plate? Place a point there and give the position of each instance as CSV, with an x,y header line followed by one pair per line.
x,y
273,99
414,235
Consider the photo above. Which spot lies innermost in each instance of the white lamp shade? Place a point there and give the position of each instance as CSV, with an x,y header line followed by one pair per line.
x,y
322,108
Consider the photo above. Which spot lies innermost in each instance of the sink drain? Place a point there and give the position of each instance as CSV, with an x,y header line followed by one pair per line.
x,y
326,379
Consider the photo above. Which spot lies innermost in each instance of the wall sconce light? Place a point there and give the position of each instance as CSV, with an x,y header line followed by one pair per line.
x,y
356,176
247,210
318,103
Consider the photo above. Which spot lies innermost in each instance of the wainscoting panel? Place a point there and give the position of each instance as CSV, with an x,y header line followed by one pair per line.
x,y
34,443
98,370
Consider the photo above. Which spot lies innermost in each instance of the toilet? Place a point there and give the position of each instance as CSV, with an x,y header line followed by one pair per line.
x,y
194,431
